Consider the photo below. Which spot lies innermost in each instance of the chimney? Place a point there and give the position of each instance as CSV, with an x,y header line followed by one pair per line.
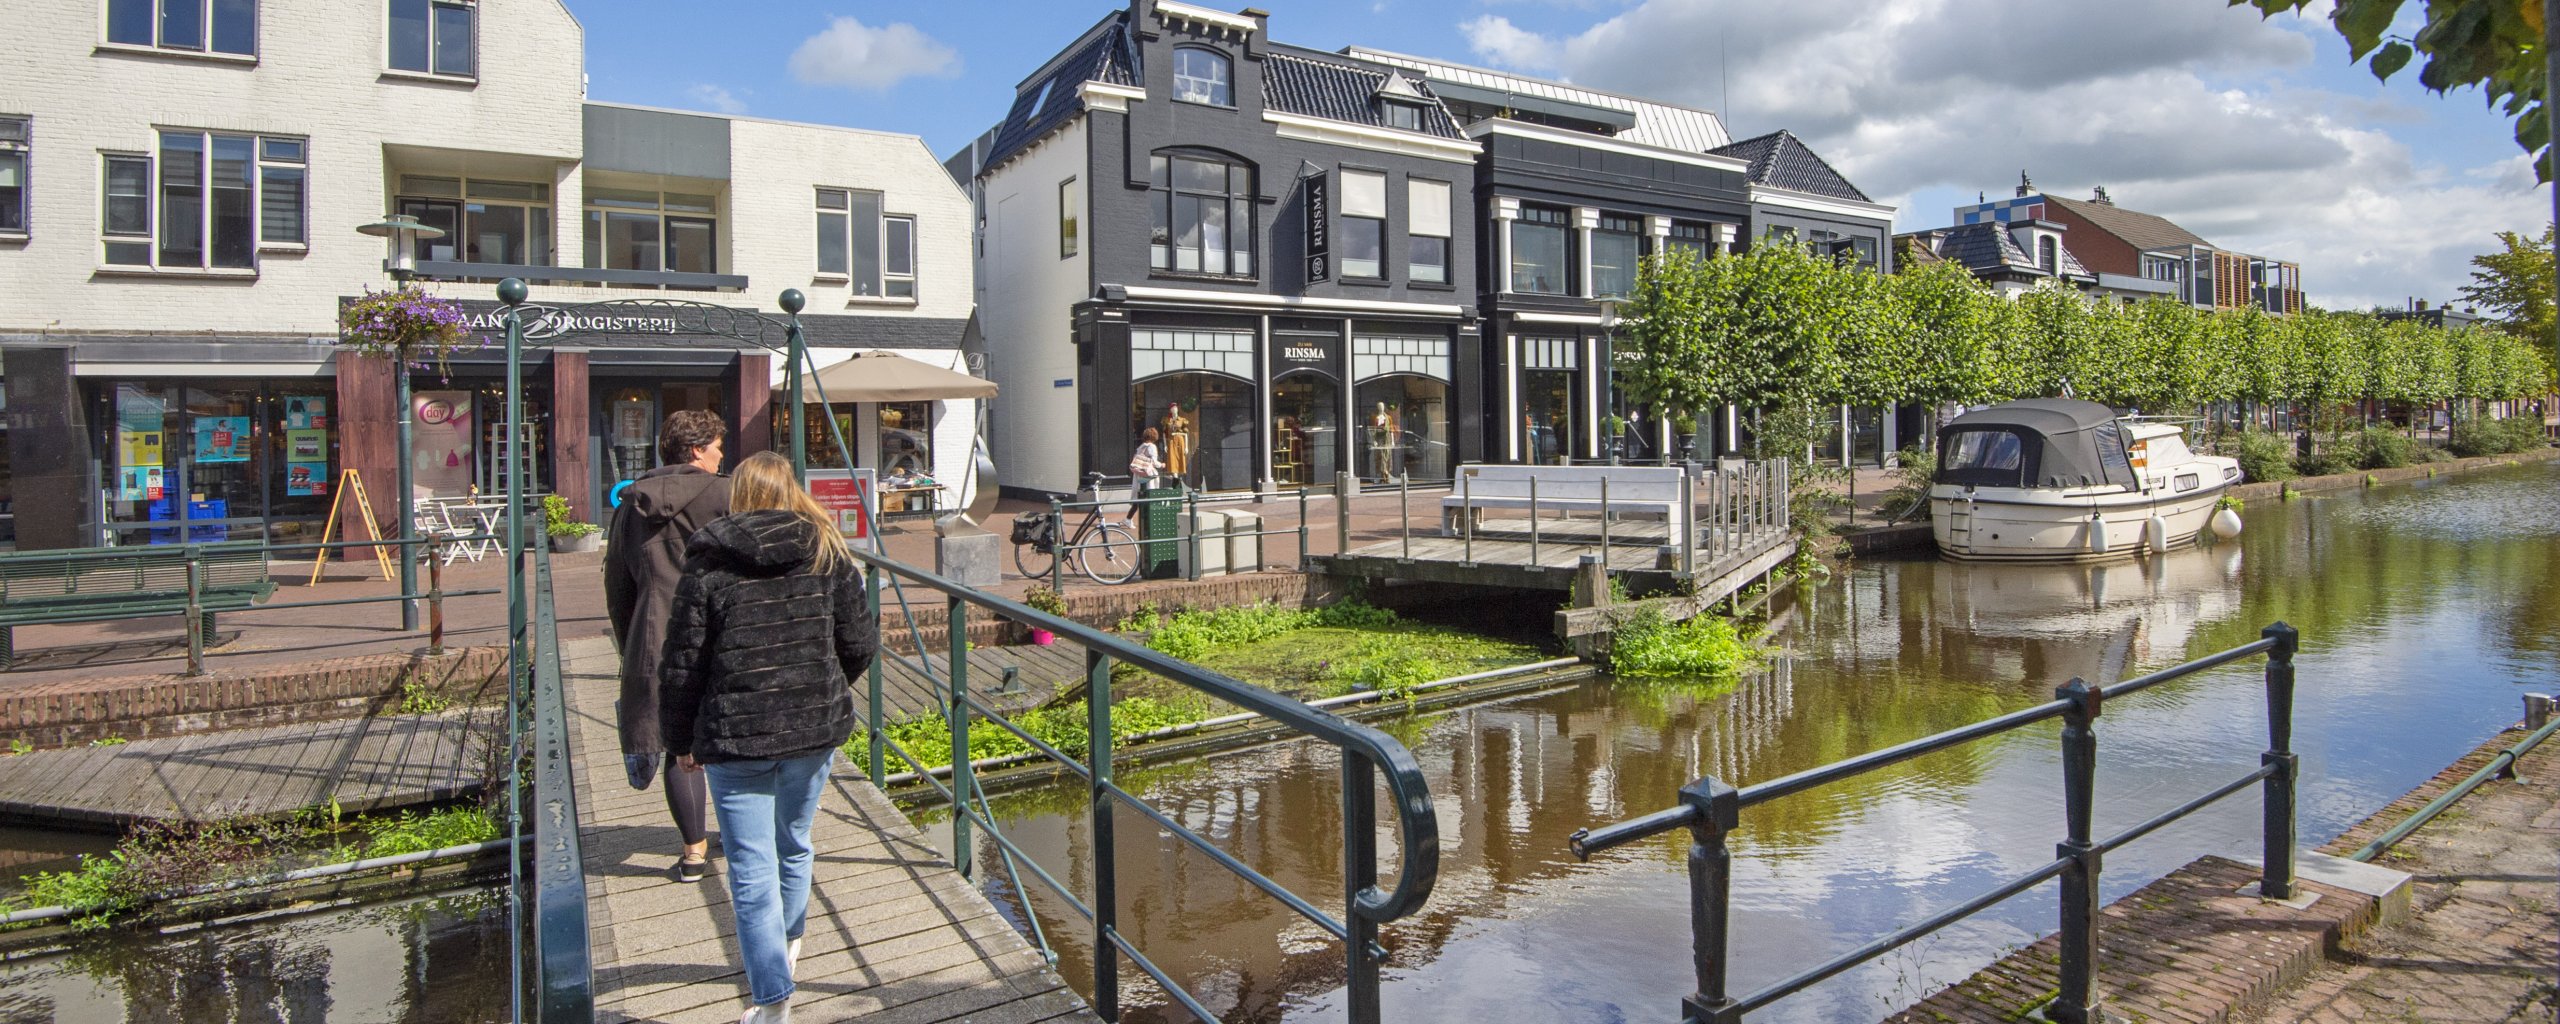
x,y
2024,186
2422,305
2099,196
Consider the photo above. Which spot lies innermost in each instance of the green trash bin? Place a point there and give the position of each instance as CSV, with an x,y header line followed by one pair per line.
x,y
1159,535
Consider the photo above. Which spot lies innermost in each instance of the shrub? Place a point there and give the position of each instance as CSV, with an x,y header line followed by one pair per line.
x,y
2381,448
1040,598
2495,437
558,522
1653,645
2264,455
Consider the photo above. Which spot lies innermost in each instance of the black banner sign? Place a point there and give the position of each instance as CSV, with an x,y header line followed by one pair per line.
x,y
1319,228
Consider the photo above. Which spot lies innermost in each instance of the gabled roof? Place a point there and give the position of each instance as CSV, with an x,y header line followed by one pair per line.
x,y
1317,85
1987,248
1052,96
2143,231
1780,160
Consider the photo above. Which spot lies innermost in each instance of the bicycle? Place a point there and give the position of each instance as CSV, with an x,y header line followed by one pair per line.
x,y
1105,552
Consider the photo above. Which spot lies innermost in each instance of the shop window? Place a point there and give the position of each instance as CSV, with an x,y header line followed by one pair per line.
x,y
1540,251
651,231
1364,224
436,37
873,252
906,440
1201,213
1550,386
14,145
201,26
1306,413
1206,425
1616,244
1203,76
1406,428
1426,216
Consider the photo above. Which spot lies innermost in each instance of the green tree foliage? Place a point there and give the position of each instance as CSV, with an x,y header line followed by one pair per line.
x,y
2515,284
2493,44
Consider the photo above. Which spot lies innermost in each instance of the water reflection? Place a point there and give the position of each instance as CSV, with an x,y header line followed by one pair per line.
x,y
2424,608
433,960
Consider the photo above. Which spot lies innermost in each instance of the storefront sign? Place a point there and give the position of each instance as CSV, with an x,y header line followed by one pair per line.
x,y
1319,228
222,439
542,323
847,494
1304,351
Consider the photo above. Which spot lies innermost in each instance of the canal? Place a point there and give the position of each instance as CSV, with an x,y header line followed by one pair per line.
x,y
2425,609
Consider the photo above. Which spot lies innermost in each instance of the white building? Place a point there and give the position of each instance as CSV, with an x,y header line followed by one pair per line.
x,y
180,187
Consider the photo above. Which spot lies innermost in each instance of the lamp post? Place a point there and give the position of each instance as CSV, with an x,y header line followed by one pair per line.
x,y
403,232
1609,374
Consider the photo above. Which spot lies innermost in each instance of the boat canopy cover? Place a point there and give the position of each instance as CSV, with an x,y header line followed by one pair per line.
x,y
2035,442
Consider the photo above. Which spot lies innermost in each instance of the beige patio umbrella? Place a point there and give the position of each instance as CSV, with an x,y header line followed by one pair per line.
x,y
889,377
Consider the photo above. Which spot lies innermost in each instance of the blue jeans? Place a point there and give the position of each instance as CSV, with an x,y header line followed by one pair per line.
x,y
765,808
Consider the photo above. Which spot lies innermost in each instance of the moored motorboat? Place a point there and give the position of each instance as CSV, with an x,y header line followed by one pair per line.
x,y
2062,480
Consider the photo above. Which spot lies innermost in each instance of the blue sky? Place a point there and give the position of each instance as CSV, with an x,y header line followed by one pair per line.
x,y
2255,134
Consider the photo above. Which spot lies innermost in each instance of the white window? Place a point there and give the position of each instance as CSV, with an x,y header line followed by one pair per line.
x,y
200,26
484,221
436,37
873,252
1203,76
215,203
1426,218
14,141
1364,224
1070,214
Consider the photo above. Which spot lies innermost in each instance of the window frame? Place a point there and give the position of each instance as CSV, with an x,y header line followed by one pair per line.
x,y
1391,109
1348,225
1414,236
876,285
463,199
1239,215
1696,237
158,21
1226,80
665,214
1070,219
390,57
891,281
23,146
1615,225
841,233
1562,223
154,202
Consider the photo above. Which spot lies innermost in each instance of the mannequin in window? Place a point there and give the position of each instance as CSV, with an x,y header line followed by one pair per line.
x,y
1382,443
1177,442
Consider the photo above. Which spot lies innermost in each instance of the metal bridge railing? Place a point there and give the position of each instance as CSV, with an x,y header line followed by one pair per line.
x,y
1711,809
553,864
2537,717
1366,753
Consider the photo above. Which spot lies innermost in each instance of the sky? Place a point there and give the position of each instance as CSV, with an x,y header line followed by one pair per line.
x,y
2257,134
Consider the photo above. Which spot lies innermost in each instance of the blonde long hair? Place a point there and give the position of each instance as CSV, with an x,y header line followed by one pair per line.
x,y
764,480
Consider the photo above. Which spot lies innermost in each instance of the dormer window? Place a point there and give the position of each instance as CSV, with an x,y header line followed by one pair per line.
x,y
1407,116
1203,75
2048,254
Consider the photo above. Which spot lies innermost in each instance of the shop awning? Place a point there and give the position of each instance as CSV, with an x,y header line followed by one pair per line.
x,y
890,377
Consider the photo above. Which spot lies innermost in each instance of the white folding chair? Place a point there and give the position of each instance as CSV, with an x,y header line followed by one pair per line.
x,y
436,525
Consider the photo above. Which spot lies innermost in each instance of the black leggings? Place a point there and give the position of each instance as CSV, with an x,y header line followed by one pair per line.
x,y
688,795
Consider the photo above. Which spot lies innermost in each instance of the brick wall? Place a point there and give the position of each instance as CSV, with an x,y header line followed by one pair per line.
x,y
74,712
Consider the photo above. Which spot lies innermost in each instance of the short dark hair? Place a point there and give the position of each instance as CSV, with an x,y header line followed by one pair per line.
x,y
686,431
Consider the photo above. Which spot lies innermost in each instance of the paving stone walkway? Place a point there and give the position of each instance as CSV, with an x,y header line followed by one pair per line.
x,y
2482,940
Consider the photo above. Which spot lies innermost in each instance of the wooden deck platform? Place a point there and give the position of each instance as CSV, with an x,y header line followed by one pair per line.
x,y
366,764
1039,674
894,933
1501,554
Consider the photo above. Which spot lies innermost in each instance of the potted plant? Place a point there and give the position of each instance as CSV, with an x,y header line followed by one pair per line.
x,y
1042,599
406,325
568,535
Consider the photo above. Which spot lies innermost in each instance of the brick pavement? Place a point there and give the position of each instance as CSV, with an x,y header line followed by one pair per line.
x,y
2482,941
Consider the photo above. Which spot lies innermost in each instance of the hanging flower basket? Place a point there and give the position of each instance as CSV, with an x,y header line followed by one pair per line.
x,y
407,325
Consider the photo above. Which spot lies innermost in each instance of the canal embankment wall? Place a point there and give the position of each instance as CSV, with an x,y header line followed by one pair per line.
x,y
66,712
2195,947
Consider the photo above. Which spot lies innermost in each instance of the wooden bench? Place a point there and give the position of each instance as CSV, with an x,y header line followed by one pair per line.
x,y
1635,492
100,584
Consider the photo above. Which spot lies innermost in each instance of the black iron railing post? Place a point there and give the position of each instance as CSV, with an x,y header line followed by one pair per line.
x,y
196,638
435,604
1302,529
1106,888
2077,1001
1359,874
1715,810
878,744
2277,881
1058,540
962,779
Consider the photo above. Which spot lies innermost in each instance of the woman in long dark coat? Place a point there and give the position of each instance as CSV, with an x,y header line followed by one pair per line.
x,y
643,559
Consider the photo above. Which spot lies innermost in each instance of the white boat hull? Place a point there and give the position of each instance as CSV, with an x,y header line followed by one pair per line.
x,y
2019,524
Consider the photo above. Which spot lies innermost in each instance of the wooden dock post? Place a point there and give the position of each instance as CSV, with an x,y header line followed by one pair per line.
x,y
1590,590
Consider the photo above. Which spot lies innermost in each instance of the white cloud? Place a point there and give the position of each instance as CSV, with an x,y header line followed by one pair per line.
x,y
717,98
858,56
2180,109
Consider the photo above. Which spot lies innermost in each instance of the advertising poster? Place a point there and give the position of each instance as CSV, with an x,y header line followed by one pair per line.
x,y
306,412
222,439
443,457
140,483
306,446
306,479
137,449
846,493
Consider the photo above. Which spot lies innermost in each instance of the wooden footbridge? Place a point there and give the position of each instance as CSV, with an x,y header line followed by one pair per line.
x,y
1655,530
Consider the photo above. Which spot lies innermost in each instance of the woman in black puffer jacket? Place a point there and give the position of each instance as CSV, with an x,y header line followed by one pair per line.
x,y
771,625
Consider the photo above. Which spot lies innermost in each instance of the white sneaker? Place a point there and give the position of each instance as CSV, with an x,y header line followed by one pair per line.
x,y
791,960
778,1013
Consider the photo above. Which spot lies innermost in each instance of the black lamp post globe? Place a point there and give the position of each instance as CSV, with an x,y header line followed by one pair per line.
x,y
793,301
512,291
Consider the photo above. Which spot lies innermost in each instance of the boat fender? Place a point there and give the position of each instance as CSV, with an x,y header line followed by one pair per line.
x,y
2097,535
2157,532
2226,523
